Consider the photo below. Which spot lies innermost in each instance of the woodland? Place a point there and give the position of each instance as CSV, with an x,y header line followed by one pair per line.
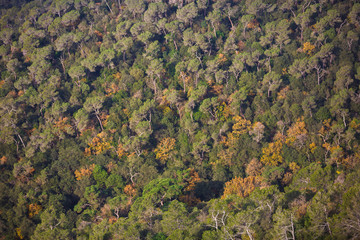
x,y
173,119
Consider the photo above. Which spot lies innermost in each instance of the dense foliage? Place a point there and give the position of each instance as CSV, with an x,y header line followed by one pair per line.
x,y
177,119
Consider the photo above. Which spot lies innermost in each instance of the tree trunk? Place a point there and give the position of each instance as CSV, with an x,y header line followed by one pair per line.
x,y
22,142
98,118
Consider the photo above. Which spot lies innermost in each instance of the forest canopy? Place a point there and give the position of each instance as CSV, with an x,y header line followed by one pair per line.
x,y
205,119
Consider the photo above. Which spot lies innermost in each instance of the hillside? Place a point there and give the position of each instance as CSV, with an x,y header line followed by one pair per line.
x,y
133,119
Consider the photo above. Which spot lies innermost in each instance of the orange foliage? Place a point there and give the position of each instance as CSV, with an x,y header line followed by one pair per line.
x,y
216,89
130,191
84,172
297,133
189,197
97,33
221,58
98,144
284,71
12,94
272,154
34,209
27,59
121,151
112,219
112,89
117,76
3,160
194,178
282,93
2,82
164,149
308,48
279,137
253,24
63,125
104,119
242,187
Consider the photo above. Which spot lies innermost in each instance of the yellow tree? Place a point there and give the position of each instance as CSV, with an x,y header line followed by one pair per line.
x,y
308,48
34,209
241,125
241,187
121,151
272,154
98,144
84,172
164,149
297,133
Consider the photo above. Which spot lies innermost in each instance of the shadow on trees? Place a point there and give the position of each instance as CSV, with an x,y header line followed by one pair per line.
x,y
206,191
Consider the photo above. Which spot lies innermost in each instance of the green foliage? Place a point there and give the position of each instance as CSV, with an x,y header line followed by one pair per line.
x,y
92,92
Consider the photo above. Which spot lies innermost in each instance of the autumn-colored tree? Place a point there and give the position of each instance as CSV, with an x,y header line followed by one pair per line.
x,y
111,89
98,144
254,168
130,191
34,209
189,191
241,125
283,92
272,154
3,160
221,58
19,233
121,151
84,172
312,147
164,148
241,187
62,125
297,133
308,48
253,24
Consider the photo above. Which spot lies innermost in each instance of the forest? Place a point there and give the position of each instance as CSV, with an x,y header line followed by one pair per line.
x,y
173,119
